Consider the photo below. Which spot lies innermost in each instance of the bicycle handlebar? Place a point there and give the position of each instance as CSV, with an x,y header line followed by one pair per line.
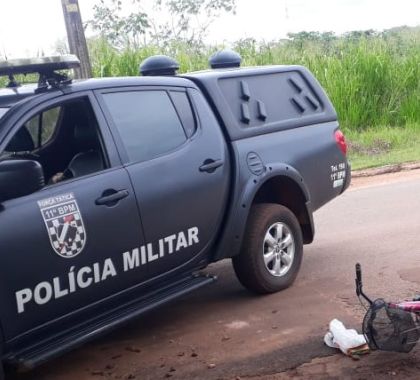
x,y
359,273
359,285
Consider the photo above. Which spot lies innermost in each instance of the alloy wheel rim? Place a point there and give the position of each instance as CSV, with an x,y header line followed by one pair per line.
x,y
278,249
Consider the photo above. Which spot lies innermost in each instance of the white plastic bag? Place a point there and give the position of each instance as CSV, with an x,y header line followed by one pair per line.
x,y
342,338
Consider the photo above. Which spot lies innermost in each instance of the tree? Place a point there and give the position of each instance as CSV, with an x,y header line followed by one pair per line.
x,y
302,39
190,19
119,29
177,20
356,35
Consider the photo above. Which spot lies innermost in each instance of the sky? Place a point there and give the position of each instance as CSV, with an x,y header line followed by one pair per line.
x,y
32,27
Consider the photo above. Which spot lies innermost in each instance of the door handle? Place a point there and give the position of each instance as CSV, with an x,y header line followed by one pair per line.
x,y
210,165
111,197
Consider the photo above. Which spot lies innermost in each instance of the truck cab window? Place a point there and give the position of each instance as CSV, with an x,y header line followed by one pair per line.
x,y
42,126
147,123
185,112
64,139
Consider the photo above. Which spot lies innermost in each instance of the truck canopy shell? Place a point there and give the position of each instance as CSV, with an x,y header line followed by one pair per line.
x,y
257,100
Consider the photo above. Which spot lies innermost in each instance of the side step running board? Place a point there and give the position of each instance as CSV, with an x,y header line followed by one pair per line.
x,y
37,354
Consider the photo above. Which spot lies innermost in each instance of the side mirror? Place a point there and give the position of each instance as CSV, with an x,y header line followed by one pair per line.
x,y
19,178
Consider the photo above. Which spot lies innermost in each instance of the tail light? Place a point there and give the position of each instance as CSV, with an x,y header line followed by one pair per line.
x,y
341,141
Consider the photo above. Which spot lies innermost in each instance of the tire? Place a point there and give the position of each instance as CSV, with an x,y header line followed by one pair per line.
x,y
272,249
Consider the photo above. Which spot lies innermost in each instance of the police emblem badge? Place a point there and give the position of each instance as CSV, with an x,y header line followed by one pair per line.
x,y
64,224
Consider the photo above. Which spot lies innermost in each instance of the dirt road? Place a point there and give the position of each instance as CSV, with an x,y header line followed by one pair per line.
x,y
223,332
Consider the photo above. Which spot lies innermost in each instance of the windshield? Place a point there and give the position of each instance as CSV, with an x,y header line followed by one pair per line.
x,y
3,111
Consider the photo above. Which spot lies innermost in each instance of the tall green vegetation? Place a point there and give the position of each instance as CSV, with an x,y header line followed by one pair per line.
x,y
372,78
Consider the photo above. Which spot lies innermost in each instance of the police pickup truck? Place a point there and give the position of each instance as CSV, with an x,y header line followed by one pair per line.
x,y
116,193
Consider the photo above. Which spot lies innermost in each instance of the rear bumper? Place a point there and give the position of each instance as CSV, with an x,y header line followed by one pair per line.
x,y
347,179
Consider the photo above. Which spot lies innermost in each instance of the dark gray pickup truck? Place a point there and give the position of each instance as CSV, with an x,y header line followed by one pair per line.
x,y
116,193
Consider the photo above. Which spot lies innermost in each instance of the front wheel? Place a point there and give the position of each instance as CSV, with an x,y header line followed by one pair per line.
x,y
272,249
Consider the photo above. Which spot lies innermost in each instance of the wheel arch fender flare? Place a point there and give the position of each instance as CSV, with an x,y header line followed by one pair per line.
x,y
277,170
235,227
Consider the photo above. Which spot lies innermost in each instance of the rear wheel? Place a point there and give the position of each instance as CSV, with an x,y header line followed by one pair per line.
x,y
272,249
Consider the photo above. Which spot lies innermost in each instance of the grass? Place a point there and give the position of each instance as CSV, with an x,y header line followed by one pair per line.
x,y
383,146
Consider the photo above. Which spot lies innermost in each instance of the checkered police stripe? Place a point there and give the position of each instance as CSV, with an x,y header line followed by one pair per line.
x,y
78,242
